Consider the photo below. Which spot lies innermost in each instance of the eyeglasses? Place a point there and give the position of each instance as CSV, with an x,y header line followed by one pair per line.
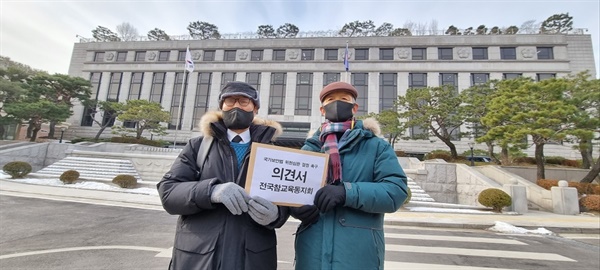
x,y
230,101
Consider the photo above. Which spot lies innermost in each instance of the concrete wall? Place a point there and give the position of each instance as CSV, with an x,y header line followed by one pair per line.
x,y
469,183
530,173
536,195
34,154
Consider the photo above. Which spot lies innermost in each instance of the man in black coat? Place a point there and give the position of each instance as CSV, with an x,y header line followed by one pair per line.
x,y
220,226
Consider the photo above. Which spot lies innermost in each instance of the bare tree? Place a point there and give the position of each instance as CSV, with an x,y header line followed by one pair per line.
x,y
420,29
127,31
433,27
530,27
411,26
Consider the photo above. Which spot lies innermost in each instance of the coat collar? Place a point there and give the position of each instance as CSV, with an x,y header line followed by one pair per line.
x,y
214,117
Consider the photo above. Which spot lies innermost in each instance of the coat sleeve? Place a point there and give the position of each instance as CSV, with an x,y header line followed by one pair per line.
x,y
386,192
180,190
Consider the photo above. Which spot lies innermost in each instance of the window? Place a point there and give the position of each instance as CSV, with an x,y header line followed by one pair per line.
x,y
163,56
449,79
88,113
209,55
279,55
140,56
386,54
417,80
253,78
113,87
545,53
445,54
388,90
331,54
277,93
303,94
544,76
156,91
227,77
508,53
361,83
99,57
480,53
330,77
229,55
202,95
509,76
121,56
361,54
479,78
178,99
256,55
308,54
181,55
419,54
135,88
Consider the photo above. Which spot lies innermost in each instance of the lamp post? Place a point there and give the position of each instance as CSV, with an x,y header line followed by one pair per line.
x,y
471,145
62,132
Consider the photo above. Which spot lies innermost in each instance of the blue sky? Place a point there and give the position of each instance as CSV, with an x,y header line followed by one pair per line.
x,y
41,33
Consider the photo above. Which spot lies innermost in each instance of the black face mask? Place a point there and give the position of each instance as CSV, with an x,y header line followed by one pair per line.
x,y
338,111
237,118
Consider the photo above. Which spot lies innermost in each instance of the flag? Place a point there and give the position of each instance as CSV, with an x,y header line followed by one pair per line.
x,y
347,58
189,64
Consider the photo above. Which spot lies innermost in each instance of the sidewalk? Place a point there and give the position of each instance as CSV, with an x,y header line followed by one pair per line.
x,y
583,223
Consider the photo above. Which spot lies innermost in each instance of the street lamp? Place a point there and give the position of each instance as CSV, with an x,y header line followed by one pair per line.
x,y
471,145
62,132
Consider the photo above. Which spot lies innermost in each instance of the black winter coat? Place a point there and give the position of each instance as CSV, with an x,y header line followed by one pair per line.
x,y
208,236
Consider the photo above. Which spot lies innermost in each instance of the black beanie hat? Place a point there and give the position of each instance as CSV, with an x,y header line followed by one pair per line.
x,y
239,89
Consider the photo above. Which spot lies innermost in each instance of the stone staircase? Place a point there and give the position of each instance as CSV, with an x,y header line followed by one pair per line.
x,y
95,169
418,194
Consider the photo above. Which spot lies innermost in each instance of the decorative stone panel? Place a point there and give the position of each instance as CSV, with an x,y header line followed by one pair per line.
x,y
151,56
528,52
293,54
196,55
403,53
464,53
109,57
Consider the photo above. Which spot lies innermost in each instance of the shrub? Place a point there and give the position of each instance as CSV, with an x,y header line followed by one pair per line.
x,y
17,169
555,160
125,180
582,188
571,163
526,160
590,202
494,198
547,183
69,177
143,141
400,153
407,200
440,154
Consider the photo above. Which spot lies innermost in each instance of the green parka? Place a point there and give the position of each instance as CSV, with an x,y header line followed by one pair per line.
x,y
351,236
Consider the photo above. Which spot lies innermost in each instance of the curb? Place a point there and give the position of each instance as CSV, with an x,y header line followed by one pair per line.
x,y
557,230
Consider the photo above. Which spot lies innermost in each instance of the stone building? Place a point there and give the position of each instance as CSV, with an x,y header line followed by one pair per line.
x,y
290,72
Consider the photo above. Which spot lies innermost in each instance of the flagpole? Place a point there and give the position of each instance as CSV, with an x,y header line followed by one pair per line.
x,y
183,85
347,64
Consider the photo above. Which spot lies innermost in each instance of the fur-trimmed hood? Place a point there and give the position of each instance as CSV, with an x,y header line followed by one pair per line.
x,y
370,124
216,116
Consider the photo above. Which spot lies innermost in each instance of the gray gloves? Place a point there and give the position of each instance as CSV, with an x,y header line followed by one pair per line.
x,y
262,211
232,196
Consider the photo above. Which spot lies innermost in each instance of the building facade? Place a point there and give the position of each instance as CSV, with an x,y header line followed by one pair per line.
x,y
289,73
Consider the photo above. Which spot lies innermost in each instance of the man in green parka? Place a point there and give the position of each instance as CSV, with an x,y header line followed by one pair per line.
x,y
344,227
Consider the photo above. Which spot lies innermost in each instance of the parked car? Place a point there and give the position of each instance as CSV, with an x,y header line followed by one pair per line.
x,y
479,159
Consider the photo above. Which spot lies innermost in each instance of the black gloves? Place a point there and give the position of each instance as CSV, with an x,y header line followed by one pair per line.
x,y
330,196
308,214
